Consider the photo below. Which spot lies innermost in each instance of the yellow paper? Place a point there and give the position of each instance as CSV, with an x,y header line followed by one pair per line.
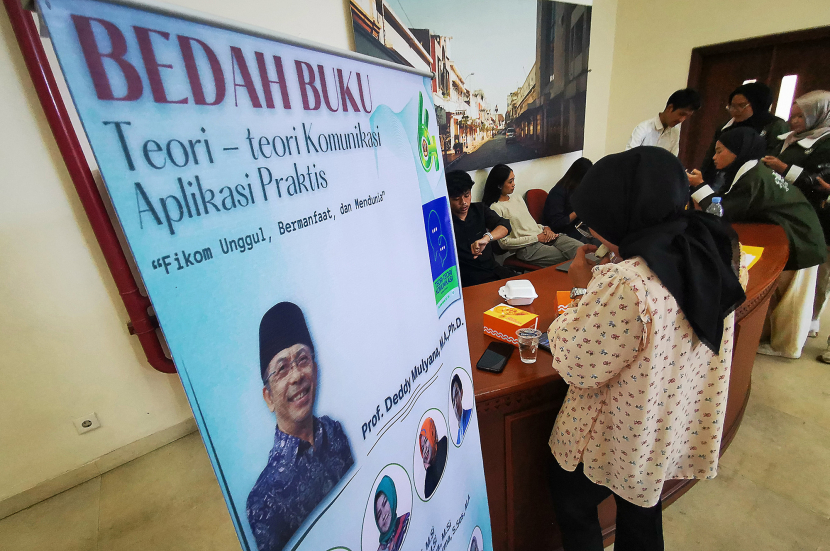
x,y
754,252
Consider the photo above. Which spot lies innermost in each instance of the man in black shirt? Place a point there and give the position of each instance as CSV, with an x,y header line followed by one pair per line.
x,y
475,226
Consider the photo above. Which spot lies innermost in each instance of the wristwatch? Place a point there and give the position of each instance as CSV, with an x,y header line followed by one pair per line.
x,y
577,292
488,234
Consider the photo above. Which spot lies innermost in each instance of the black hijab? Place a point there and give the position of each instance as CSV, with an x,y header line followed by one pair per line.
x,y
759,97
747,144
636,200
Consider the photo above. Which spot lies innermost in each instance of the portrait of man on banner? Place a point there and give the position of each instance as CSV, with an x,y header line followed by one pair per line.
x,y
310,454
462,415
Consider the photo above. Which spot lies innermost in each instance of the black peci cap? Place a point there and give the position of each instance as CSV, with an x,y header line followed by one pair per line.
x,y
281,327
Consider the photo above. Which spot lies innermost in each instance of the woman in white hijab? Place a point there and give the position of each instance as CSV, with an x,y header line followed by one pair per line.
x,y
803,159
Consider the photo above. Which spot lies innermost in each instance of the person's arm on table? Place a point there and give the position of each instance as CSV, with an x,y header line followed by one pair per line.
x,y
736,201
594,339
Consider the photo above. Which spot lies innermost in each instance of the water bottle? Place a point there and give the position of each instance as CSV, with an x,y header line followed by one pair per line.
x,y
715,208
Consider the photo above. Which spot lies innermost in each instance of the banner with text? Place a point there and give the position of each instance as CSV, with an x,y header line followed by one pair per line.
x,y
287,210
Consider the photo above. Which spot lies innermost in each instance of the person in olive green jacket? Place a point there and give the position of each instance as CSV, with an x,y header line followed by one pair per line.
x,y
803,159
754,193
748,106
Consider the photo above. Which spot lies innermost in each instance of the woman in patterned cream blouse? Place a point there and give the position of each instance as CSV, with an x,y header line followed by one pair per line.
x,y
646,347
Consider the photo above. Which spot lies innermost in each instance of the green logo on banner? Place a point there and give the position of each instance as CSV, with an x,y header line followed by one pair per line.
x,y
429,151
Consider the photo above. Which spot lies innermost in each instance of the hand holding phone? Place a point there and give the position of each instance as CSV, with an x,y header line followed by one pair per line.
x,y
695,177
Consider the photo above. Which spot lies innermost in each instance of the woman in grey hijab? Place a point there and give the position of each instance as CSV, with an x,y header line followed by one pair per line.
x,y
803,159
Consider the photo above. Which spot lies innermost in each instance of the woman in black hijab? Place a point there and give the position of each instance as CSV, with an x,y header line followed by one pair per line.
x,y
755,193
749,106
655,324
643,214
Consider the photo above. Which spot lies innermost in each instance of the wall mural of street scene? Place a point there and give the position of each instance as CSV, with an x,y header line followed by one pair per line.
x,y
510,77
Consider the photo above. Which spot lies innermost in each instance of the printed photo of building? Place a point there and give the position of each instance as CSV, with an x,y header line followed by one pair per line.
x,y
548,111
543,115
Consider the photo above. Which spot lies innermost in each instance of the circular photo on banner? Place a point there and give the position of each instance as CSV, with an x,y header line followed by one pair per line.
x,y
461,405
386,520
476,541
430,457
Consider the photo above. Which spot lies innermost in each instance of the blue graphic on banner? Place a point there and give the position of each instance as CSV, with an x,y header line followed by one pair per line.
x,y
445,276
281,204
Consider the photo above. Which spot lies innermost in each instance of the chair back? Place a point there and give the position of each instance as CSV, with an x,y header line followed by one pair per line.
x,y
535,199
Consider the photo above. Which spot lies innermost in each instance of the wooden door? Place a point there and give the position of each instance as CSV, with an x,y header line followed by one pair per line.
x,y
718,69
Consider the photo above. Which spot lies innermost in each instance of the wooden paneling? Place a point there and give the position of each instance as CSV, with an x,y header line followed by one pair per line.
x,y
800,58
720,74
508,447
527,434
718,69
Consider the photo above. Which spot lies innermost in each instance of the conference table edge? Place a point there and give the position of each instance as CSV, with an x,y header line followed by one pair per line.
x,y
757,292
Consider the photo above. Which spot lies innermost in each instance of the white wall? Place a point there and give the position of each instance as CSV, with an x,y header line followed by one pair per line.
x,y
64,347
601,58
653,47
536,174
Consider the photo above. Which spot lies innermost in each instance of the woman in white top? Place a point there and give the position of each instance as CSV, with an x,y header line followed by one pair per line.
x,y
646,347
531,241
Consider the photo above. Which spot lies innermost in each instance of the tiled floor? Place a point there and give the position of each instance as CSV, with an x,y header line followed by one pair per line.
x,y
772,492
773,487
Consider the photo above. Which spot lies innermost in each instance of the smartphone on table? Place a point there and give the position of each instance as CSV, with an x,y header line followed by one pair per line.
x,y
495,357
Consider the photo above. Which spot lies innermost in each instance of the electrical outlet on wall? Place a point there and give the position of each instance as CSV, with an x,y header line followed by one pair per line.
x,y
87,423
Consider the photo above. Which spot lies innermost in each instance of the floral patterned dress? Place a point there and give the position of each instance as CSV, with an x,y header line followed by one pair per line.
x,y
647,400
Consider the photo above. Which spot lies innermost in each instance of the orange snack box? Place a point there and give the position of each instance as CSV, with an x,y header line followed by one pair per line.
x,y
501,322
563,298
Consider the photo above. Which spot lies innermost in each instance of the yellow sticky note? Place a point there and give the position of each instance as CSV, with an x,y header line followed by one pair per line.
x,y
754,252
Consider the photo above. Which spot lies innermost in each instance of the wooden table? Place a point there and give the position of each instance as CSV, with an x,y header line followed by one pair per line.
x,y
517,408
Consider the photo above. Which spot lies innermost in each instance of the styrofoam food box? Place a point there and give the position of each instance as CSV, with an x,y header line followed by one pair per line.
x,y
518,292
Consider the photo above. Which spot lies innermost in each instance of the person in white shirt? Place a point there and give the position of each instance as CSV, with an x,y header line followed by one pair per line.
x,y
664,130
